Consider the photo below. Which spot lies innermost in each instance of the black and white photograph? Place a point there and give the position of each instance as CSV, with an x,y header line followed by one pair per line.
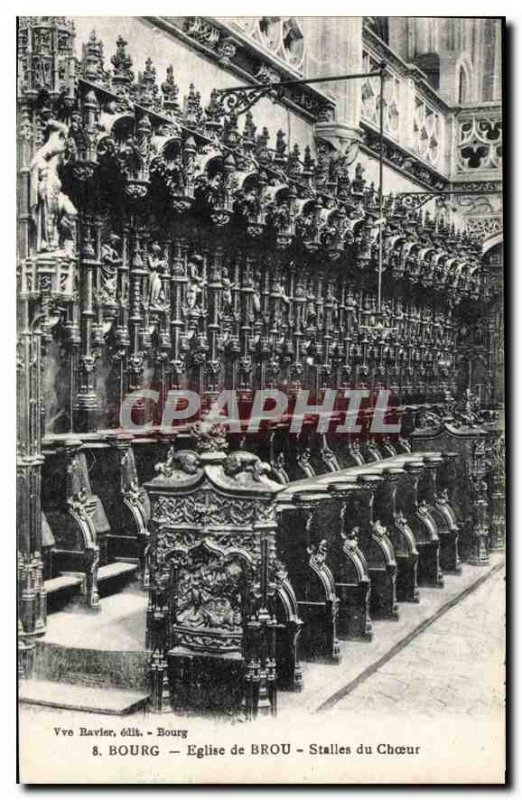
x,y
261,515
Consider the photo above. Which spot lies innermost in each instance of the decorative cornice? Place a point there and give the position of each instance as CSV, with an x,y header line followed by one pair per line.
x,y
403,161
243,58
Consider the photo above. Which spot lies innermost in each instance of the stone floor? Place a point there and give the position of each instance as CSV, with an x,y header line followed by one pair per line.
x,y
325,684
120,625
456,664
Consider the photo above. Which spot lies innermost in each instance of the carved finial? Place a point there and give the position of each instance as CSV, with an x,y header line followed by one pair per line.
x,y
358,182
249,130
213,111
193,110
91,66
343,180
280,144
147,90
428,222
308,162
122,63
170,91
322,165
262,145
294,162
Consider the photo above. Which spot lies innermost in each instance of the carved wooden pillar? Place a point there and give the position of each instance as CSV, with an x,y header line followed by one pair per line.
x,y
137,275
31,592
479,498
213,382
250,306
177,299
399,533
315,371
275,330
441,511
86,407
306,555
32,607
46,69
299,307
145,340
467,487
85,514
350,338
373,541
135,501
497,486
121,322
234,347
326,365
263,375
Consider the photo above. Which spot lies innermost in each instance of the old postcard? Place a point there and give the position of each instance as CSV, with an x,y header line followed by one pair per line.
x,y
261,527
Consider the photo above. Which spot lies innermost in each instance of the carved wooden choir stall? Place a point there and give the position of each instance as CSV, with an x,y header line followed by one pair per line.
x,y
168,245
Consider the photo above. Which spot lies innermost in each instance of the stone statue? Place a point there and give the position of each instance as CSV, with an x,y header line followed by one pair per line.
x,y
157,265
52,212
110,259
311,310
196,281
279,292
256,299
250,283
227,292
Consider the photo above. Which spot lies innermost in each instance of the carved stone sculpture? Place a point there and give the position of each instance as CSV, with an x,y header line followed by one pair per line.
x,y
52,212
157,265
110,259
196,281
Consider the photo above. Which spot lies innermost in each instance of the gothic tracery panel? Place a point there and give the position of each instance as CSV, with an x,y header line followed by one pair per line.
x,y
479,144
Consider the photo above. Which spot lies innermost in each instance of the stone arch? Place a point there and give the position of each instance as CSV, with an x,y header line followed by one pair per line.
x,y
463,77
496,240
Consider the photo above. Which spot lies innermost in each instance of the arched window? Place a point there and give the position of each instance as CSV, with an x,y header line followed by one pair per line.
x,y
463,85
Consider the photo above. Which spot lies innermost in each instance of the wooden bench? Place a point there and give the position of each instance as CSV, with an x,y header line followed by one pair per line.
x,y
373,522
